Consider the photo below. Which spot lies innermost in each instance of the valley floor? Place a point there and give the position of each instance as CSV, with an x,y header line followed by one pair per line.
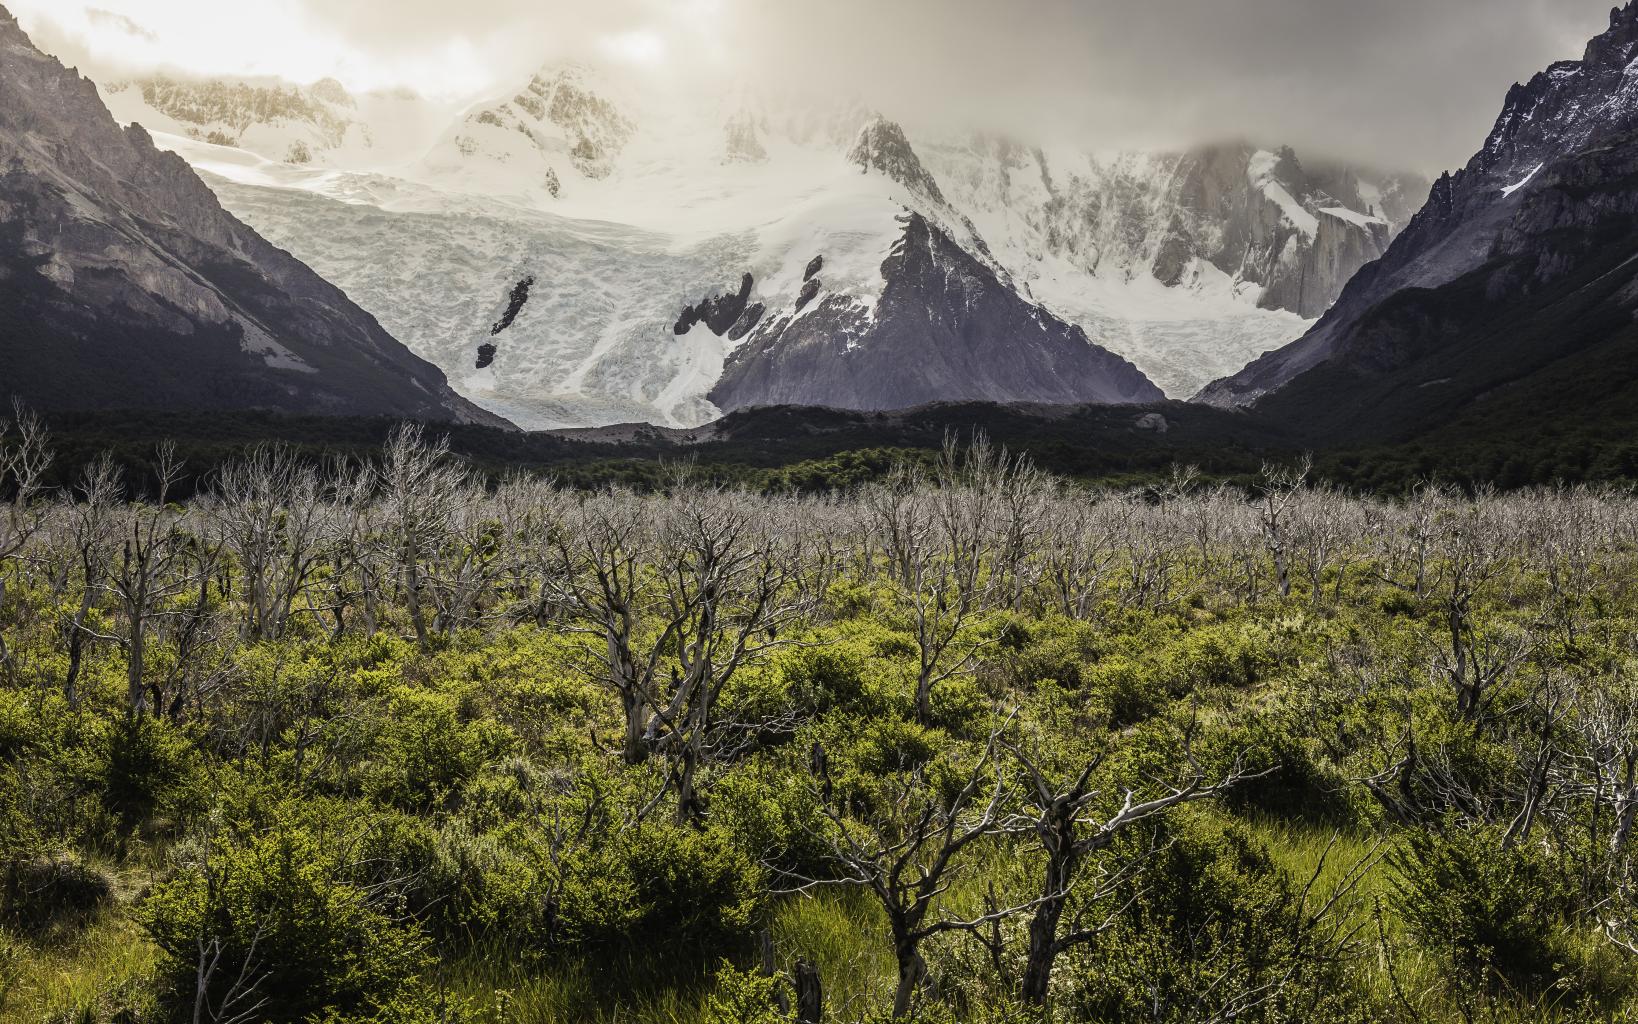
x,y
966,744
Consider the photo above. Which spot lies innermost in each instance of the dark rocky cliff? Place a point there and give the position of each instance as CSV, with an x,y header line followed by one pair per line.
x,y
126,285
945,329
1545,203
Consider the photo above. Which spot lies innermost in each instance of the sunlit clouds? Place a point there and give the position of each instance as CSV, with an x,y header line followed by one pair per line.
x,y
1396,82
281,38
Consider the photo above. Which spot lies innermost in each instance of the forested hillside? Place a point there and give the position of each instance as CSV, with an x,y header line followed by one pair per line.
x,y
382,740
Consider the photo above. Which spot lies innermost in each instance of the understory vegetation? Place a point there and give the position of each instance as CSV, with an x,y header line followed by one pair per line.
x,y
382,741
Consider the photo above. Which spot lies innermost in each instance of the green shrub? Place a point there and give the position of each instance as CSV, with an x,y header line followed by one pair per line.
x,y
666,893
1214,924
1494,914
1287,779
18,728
775,815
149,766
276,911
19,835
827,676
742,997
1054,650
428,748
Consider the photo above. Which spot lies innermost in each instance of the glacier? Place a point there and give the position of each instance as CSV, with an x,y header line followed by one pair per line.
x,y
626,207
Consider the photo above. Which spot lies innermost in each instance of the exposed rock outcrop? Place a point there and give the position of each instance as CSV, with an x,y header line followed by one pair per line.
x,y
719,313
810,291
223,111
1259,217
515,301
559,110
882,146
945,329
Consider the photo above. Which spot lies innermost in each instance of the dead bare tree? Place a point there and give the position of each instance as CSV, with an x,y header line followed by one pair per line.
x,y
1278,493
268,508
727,575
1604,757
1567,533
1079,549
935,543
1152,537
143,576
908,852
1324,526
1469,546
239,1004
1405,538
25,455
467,568
418,488
353,569
1059,810
599,564
92,517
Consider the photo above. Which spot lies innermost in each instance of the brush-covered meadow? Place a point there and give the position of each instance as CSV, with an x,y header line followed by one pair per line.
x,y
387,741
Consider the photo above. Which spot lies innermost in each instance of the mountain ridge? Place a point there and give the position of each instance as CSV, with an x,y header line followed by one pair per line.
x,y
1556,170
129,286
677,211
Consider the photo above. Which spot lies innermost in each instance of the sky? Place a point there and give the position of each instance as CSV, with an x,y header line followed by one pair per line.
x,y
1411,84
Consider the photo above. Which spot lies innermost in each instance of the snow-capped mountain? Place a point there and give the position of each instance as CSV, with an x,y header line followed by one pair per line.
x,y
628,207
1284,237
125,285
1521,258
319,125
1185,263
945,322
558,125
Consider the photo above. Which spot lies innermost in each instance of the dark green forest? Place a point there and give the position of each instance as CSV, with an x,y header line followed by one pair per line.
x,y
376,730
1562,431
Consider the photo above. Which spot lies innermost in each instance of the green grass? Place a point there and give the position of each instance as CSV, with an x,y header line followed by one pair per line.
x,y
91,974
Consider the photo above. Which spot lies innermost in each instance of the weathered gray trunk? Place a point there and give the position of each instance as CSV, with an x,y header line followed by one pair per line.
x,y
1043,951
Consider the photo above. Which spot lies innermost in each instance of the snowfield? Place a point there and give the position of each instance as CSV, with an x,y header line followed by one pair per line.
x,y
626,210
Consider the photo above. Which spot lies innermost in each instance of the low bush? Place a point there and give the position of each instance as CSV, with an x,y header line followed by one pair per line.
x,y
268,921
1494,912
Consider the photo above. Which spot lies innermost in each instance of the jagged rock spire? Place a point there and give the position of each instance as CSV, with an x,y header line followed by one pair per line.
x,y
882,146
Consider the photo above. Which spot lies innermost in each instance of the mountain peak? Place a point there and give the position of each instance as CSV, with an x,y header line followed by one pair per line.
x,y
882,146
564,108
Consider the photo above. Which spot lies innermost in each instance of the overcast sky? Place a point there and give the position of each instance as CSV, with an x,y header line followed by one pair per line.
x,y
1401,83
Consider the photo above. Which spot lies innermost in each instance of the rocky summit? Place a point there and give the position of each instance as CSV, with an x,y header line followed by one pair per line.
x,y
945,329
